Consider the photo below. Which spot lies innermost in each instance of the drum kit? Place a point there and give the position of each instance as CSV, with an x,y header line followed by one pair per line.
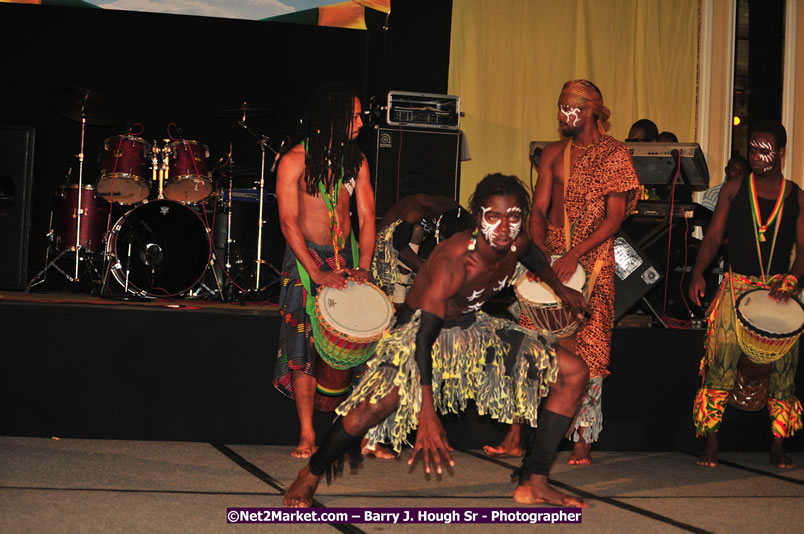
x,y
162,246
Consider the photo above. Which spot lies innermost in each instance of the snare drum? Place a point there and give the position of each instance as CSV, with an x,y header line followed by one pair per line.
x,y
65,218
766,329
541,306
123,174
349,322
188,179
160,248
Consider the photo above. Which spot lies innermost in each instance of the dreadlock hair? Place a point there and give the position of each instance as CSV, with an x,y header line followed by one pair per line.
x,y
330,153
774,128
499,184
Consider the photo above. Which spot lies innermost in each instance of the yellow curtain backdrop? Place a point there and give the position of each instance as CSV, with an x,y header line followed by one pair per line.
x,y
509,59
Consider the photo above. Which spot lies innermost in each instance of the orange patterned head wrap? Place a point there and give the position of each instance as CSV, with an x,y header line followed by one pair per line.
x,y
584,95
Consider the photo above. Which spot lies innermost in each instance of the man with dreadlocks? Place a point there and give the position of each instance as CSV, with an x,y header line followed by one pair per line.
x,y
762,217
406,230
315,181
587,185
444,351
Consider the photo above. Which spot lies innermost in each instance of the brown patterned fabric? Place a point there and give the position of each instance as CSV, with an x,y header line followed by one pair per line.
x,y
604,168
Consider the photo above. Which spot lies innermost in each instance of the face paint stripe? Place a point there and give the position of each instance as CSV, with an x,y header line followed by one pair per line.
x,y
487,229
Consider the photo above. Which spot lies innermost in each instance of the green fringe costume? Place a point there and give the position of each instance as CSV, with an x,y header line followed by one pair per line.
x,y
384,262
470,361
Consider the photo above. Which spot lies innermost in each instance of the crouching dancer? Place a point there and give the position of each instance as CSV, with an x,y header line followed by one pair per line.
x,y
444,351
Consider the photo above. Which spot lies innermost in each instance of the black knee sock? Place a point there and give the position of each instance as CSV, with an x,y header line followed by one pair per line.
x,y
544,442
336,443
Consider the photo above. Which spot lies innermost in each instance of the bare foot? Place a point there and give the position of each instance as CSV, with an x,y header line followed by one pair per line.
x,y
300,493
503,451
709,456
777,456
510,446
306,447
378,452
581,454
537,491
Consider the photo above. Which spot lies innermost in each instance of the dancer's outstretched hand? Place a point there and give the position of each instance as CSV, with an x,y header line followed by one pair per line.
x,y
431,440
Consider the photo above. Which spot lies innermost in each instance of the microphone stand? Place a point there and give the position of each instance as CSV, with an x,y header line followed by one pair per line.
x,y
262,140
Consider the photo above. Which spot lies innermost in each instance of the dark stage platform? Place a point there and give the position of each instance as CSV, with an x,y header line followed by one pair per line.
x,y
84,367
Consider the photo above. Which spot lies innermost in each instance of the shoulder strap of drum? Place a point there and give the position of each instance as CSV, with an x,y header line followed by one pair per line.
x,y
309,305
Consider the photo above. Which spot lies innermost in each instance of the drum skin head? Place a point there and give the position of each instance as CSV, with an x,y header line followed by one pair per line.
x,y
540,293
359,310
773,318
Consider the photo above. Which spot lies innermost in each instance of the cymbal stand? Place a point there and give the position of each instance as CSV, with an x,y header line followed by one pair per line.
x,y
80,211
262,140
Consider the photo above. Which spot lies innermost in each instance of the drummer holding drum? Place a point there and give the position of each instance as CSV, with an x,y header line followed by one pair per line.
x,y
755,319
315,181
586,187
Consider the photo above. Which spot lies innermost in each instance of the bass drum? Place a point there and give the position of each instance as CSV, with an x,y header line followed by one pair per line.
x,y
159,249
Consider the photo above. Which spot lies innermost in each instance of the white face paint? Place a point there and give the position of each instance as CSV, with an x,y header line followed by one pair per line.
x,y
515,228
488,230
765,153
572,116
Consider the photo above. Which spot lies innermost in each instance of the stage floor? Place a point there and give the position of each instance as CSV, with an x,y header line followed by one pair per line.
x,y
75,485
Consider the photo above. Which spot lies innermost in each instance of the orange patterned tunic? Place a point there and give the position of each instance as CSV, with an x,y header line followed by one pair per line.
x,y
604,168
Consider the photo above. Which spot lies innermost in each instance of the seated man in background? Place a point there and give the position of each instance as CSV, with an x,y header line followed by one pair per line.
x,y
667,137
737,167
643,130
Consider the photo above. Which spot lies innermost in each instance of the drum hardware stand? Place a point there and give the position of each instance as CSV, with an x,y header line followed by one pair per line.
x,y
81,255
106,291
262,140
80,211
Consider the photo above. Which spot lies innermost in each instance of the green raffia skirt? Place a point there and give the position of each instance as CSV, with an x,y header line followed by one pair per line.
x,y
504,368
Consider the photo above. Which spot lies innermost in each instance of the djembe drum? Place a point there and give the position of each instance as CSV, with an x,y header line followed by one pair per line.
x,y
544,309
766,329
346,328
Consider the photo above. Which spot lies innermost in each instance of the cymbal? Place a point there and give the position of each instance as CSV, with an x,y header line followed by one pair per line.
x,y
244,110
75,102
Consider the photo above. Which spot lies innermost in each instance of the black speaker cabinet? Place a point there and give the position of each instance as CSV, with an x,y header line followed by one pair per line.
x,y
635,274
410,161
16,180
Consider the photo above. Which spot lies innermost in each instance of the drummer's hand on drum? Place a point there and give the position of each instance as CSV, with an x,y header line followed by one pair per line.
x,y
576,301
697,289
359,275
431,439
334,279
782,289
565,267
532,277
